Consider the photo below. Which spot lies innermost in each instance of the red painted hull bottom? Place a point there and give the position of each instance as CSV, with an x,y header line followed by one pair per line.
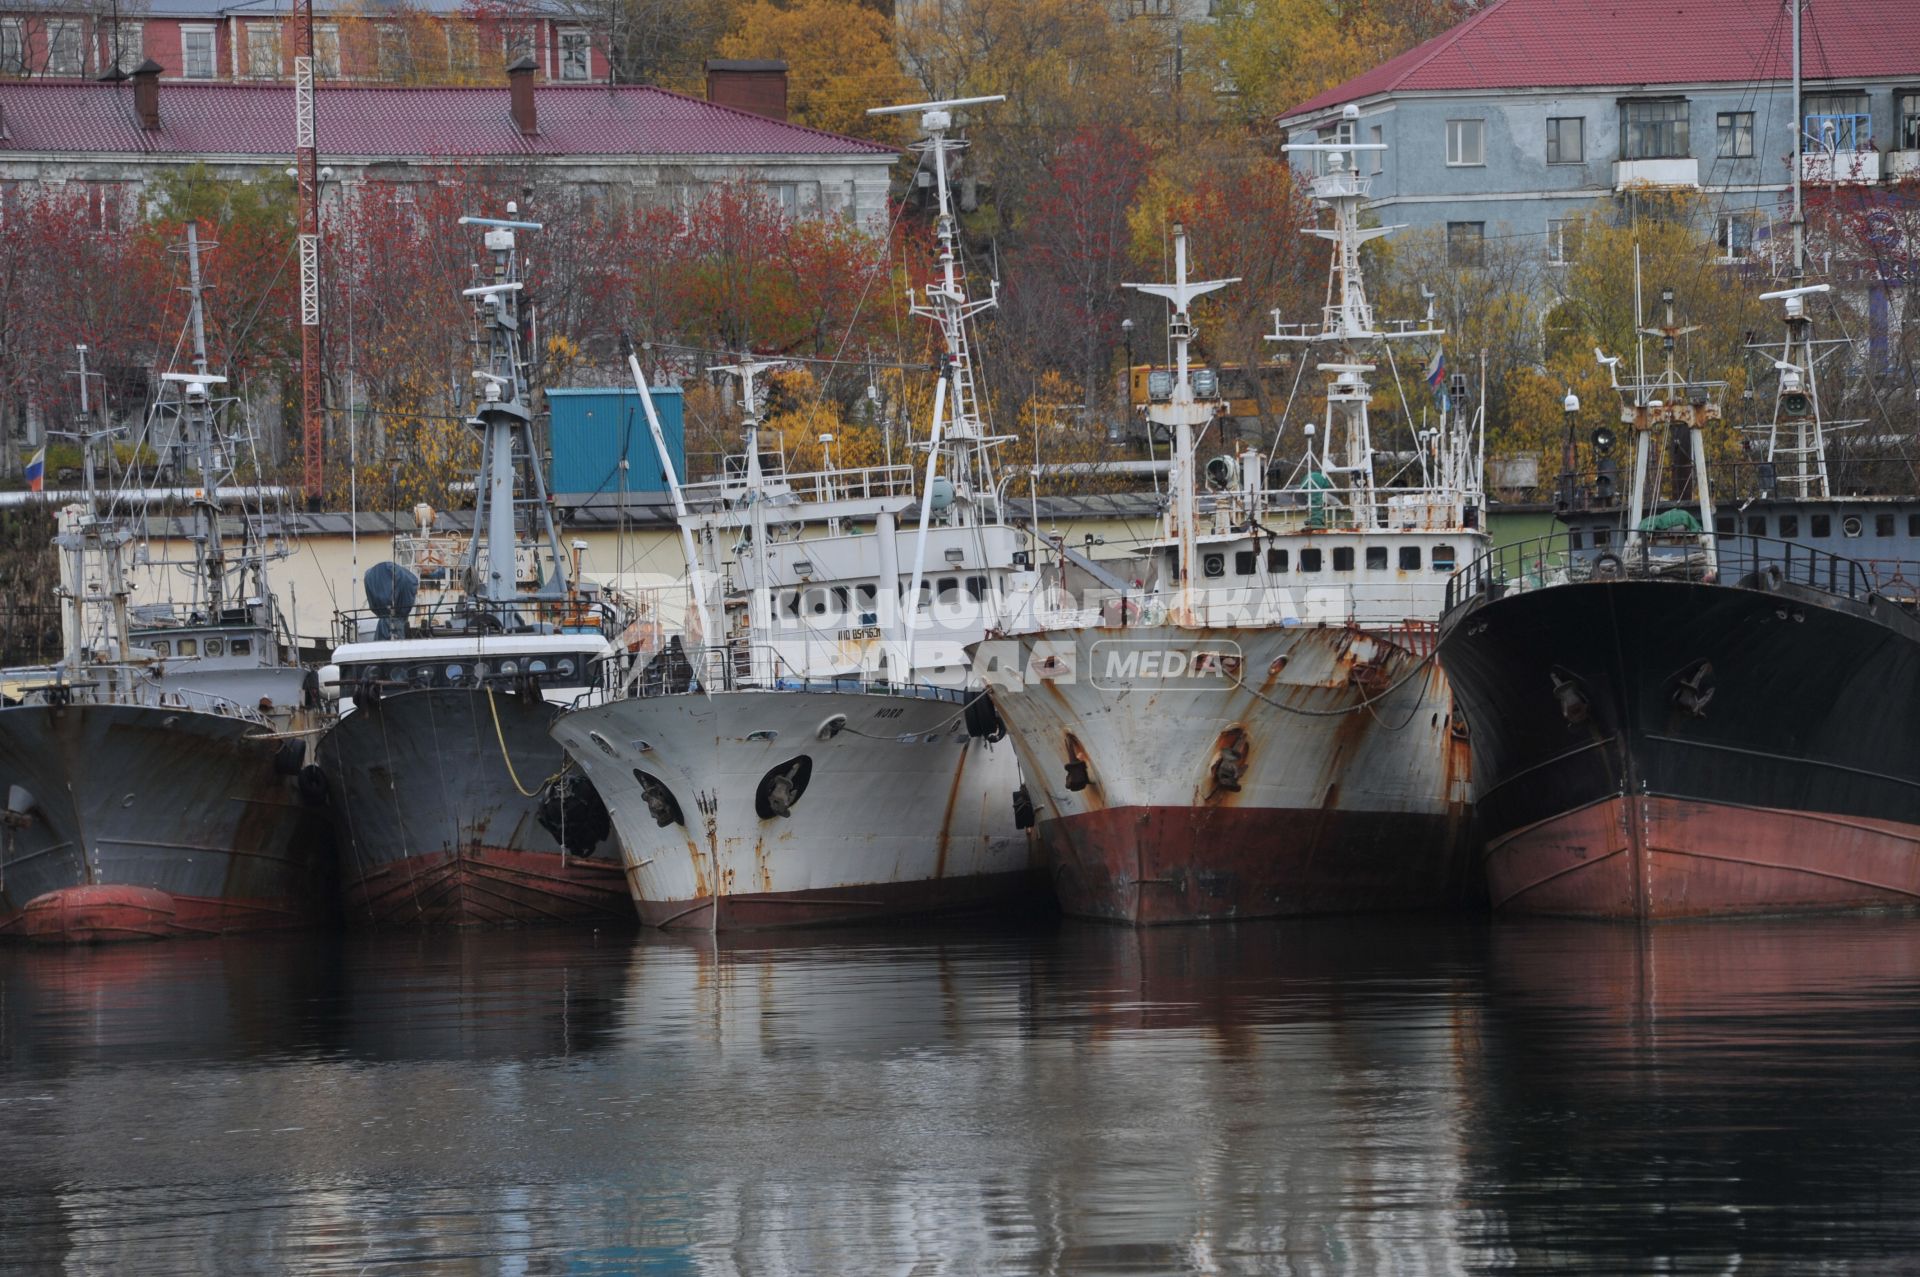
x,y
853,905
481,886
107,914
1653,857
1155,865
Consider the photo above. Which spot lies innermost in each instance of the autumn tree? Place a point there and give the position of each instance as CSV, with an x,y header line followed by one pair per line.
x,y
840,58
1278,53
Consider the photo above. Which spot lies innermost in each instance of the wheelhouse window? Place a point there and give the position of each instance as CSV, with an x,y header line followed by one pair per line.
x,y
1789,526
1883,525
1310,559
1466,143
1409,558
1913,525
1343,558
1276,560
1443,558
1733,135
1376,558
1245,562
1566,139
1653,129
1756,525
1821,525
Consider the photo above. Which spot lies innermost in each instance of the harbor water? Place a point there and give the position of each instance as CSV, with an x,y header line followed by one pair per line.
x,y
1334,1095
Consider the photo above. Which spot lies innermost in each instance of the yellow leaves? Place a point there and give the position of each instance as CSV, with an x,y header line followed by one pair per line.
x,y
840,61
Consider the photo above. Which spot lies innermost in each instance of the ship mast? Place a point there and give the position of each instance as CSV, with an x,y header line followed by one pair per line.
x,y
760,599
1347,319
1181,414
957,429
504,421
202,443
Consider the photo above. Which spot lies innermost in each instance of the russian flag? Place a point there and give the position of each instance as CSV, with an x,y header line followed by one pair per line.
x,y
37,471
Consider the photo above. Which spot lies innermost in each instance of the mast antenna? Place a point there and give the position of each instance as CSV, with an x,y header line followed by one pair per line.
x,y
306,165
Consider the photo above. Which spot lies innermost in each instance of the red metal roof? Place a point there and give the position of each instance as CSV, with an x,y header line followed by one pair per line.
x,y
1525,44
68,116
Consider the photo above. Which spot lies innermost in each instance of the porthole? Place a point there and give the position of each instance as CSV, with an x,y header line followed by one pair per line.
x,y
1851,525
564,669
509,667
215,647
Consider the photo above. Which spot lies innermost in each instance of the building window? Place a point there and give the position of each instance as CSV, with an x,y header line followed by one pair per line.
x,y
1835,122
1906,112
519,44
13,46
391,54
263,50
1733,135
1566,140
1466,142
1376,160
1563,238
1466,243
576,62
326,50
197,59
1149,8
1653,129
65,54
1734,234
463,47
123,46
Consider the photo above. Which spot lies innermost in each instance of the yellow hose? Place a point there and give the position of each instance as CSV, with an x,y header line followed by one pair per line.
x,y
507,758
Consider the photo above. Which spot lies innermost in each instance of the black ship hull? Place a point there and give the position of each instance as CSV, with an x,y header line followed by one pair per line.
x,y
1647,748
434,828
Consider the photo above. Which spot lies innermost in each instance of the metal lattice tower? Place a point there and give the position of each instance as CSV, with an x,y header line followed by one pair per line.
x,y
306,160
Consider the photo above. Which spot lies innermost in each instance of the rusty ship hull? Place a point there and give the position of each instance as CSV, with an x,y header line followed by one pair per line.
x,y
435,832
154,822
1616,780
899,812
1323,774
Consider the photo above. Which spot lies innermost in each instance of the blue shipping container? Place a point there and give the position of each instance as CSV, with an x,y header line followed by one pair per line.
x,y
593,429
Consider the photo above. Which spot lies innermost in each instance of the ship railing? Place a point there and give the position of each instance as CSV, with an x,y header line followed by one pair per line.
x,y
466,616
126,685
857,483
1739,558
677,669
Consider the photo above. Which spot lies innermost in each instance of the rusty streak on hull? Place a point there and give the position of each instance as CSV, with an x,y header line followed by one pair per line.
x,y
1327,776
154,822
478,885
433,831
1155,865
1024,891
1656,857
1609,788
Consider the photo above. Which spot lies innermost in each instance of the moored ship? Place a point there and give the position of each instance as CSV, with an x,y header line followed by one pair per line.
x,y
453,805
160,779
1248,722
1681,711
801,756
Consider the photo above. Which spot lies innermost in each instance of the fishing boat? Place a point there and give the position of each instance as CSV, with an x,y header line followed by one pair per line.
x,y
1246,722
453,805
1682,709
802,754
160,777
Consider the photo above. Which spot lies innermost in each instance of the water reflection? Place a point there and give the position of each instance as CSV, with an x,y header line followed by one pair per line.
x,y
1336,1096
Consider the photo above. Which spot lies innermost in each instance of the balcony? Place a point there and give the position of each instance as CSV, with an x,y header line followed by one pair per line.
x,y
1840,167
1902,164
1684,172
